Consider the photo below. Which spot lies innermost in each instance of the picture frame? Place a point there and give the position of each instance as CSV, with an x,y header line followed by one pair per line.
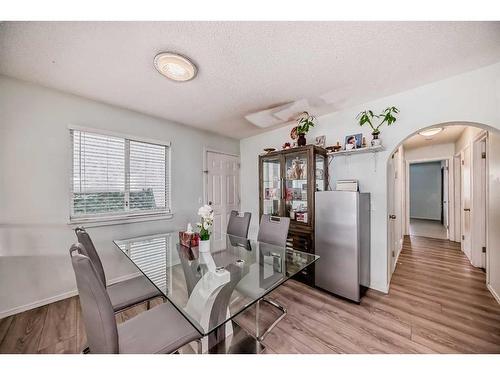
x,y
320,141
353,141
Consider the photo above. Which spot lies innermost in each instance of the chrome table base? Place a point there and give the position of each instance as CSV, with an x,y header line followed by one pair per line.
x,y
257,317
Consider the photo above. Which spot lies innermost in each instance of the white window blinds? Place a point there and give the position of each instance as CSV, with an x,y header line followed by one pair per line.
x,y
115,176
151,256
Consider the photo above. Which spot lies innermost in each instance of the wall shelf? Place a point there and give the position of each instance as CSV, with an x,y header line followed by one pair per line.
x,y
364,150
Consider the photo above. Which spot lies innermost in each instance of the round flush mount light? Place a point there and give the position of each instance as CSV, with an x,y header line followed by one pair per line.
x,y
430,132
175,67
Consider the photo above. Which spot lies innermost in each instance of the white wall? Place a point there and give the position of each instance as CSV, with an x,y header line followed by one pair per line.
x,y
466,138
425,191
432,152
35,159
469,97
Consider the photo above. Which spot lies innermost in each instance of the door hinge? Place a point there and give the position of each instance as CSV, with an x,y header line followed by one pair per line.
x,y
463,162
463,237
484,249
483,155
393,254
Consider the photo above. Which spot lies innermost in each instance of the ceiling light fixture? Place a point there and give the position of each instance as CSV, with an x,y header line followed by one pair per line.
x,y
430,132
175,67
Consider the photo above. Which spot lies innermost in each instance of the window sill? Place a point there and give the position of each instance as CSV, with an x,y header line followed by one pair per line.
x,y
104,221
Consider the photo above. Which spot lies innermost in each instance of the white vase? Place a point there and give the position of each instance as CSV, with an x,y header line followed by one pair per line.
x,y
204,246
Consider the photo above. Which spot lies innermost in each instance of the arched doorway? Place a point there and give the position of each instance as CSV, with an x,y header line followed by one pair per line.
x,y
470,219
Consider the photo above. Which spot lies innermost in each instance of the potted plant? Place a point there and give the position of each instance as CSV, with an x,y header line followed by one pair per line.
x,y
205,226
368,117
304,123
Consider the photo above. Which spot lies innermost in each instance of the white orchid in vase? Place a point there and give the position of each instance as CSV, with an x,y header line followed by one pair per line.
x,y
207,219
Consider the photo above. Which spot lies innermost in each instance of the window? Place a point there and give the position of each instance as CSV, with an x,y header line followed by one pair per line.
x,y
118,177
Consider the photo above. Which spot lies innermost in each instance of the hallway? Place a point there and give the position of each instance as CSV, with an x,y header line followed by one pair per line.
x,y
438,303
427,228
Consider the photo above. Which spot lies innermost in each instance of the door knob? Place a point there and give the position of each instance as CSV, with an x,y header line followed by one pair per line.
x,y
392,217
466,209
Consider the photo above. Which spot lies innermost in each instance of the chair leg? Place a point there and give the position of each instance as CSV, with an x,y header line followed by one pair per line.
x,y
279,307
148,304
199,346
86,350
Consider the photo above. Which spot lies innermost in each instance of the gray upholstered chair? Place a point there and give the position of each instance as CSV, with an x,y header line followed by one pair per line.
x,y
238,225
273,230
123,294
159,330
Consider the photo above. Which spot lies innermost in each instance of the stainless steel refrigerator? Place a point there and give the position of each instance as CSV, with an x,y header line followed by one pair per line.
x,y
342,240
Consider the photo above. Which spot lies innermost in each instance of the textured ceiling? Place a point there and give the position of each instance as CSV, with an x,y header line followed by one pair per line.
x,y
243,66
450,134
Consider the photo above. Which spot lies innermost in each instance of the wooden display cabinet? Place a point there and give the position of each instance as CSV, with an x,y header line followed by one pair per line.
x,y
288,180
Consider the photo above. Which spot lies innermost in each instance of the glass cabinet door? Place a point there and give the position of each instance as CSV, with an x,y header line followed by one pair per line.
x,y
296,179
271,186
320,172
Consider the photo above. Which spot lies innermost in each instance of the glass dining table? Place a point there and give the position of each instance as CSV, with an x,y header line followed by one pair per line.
x,y
210,289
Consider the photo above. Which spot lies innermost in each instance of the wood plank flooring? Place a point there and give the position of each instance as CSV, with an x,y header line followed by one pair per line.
x,y
438,303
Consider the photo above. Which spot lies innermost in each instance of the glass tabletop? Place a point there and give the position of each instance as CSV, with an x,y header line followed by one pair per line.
x,y
210,288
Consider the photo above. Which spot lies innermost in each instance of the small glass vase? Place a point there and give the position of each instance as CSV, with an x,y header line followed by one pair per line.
x,y
204,246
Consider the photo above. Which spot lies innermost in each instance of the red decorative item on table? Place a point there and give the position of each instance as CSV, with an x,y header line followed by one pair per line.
x,y
189,239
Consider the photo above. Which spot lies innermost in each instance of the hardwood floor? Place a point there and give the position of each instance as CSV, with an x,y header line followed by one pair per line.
x,y
438,303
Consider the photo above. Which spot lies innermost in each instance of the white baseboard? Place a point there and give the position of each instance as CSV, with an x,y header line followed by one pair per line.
x,y
492,291
35,304
424,218
59,297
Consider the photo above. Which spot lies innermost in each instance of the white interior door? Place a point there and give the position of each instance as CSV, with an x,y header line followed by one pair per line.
x,y
479,209
493,221
446,198
222,187
457,191
393,248
466,201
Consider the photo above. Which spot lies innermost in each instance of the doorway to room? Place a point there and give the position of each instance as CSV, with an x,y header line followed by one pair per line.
x,y
460,161
428,199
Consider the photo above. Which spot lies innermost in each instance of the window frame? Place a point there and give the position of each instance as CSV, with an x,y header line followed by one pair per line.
x,y
127,216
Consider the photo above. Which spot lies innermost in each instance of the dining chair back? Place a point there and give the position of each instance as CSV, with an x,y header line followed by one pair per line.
x,y
91,252
273,230
238,225
97,310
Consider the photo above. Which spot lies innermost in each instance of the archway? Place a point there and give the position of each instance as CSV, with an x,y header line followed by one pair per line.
x,y
491,218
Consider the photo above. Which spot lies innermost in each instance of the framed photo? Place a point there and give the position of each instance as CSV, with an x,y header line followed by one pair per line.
x,y
320,141
353,141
